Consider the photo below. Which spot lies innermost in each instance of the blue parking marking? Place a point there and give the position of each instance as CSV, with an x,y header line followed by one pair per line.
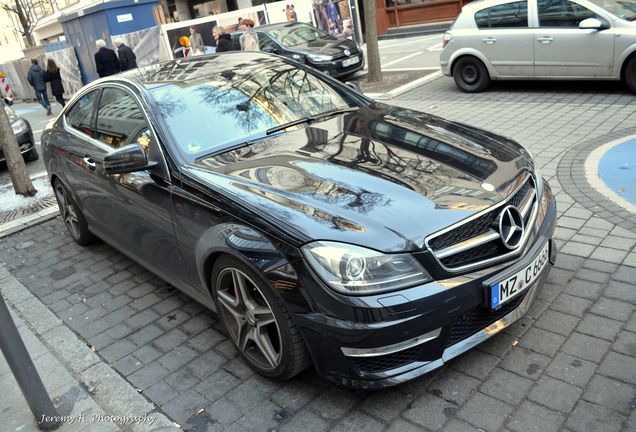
x,y
617,168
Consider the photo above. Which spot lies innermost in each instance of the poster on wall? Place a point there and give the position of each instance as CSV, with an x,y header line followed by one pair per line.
x,y
289,11
333,17
144,43
178,35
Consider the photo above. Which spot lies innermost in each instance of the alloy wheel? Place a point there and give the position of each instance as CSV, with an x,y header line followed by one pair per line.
x,y
67,209
249,318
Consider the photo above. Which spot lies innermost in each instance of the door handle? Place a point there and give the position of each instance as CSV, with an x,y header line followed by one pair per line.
x,y
88,160
489,40
545,39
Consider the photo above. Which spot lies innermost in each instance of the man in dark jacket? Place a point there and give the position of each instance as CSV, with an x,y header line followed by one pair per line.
x,y
106,61
36,79
127,58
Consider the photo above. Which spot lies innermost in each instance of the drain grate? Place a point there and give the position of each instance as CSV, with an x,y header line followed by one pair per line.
x,y
44,203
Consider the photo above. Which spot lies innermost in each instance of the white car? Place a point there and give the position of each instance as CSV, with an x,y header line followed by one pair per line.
x,y
541,39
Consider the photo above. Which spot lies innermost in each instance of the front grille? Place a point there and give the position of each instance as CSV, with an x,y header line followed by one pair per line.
x,y
465,256
479,318
471,256
387,362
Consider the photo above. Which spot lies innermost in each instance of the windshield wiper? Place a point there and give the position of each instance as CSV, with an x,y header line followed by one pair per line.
x,y
310,119
289,124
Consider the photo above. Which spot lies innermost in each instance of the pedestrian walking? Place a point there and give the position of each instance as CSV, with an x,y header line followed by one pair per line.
x,y
53,77
223,40
37,81
106,61
196,42
127,58
249,38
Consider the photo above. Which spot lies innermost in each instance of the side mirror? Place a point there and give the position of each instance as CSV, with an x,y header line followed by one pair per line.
x,y
592,24
354,86
130,158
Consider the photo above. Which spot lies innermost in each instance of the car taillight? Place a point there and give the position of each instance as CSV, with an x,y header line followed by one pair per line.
x,y
447,38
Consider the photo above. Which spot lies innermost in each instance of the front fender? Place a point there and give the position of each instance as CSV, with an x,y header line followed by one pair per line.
x,y
472,52
255,250
621,60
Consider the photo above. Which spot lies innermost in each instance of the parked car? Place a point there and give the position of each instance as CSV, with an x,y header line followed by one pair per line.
x,y
373,241
24,135
541,39
335,56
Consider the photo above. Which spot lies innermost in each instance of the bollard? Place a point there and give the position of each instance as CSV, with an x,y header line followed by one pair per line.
x,y
24,371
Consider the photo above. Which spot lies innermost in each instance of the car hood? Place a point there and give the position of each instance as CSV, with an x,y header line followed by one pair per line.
x,y
380,177
325,46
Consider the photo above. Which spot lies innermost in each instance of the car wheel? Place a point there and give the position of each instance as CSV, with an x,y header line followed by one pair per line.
x,y
31,155
630,74
256,321
72,216
471,75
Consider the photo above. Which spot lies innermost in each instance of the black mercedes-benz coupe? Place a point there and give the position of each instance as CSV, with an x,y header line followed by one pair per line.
x,y
373,241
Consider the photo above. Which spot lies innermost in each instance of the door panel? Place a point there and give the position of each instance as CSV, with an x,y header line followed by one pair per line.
x,y
136,208
503,37
563,50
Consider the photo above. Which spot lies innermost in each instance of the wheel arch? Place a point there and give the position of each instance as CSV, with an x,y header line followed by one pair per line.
x,y
470,52
249,246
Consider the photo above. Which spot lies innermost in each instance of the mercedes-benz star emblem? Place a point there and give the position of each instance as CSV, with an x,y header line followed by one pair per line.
x,y
511,227
347,52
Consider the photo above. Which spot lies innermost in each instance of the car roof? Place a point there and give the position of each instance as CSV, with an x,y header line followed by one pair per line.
x,y
275,26
187,70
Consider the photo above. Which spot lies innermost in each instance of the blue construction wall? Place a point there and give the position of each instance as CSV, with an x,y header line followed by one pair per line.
x,y
100,22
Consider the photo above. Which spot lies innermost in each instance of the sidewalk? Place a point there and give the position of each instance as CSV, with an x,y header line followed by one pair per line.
x,y
87,393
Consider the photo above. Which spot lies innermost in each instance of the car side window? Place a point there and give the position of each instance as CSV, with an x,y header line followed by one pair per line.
x,y
562,13
503,16
120,121
236,41
81,115
265,42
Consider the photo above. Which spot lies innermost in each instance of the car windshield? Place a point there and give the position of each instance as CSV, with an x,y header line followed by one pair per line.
x,y
624,9
247,101
300,33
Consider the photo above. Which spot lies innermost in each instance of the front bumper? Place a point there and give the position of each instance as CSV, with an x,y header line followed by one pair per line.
x,y
430,324
25,141
336,69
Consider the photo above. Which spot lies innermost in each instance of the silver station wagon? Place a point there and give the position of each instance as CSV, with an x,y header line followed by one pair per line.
x,y
541,39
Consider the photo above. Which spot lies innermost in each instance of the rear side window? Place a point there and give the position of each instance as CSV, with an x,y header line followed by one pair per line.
x,y
506,15
562,13
81,115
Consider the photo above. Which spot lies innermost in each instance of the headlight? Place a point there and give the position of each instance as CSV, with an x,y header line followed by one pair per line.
x,y
18,126
355,270
320,58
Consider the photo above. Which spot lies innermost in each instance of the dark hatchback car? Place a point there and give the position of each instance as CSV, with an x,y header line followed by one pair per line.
x,y
23,134
335,56
373,241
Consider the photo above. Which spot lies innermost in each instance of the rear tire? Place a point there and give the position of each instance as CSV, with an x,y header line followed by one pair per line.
x,y
471,75
256,321
630,74
72,216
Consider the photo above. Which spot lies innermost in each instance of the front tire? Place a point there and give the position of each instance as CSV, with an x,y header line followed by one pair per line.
x,y
630,74
471,75
256,321
72,216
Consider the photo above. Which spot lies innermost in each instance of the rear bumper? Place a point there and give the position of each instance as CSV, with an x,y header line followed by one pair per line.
x,y
432,325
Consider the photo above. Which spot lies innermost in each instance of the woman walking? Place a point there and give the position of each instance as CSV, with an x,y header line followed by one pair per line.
x,y
53,77
223,40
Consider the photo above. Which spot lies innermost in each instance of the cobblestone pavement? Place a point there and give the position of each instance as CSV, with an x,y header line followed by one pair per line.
x,y
569,364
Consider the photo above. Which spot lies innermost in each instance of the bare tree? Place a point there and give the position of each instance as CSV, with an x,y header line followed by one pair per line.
x,y
29,13
17,168
371,37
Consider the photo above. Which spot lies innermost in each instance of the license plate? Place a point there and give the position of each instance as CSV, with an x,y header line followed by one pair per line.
x,y
512,286
349,62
